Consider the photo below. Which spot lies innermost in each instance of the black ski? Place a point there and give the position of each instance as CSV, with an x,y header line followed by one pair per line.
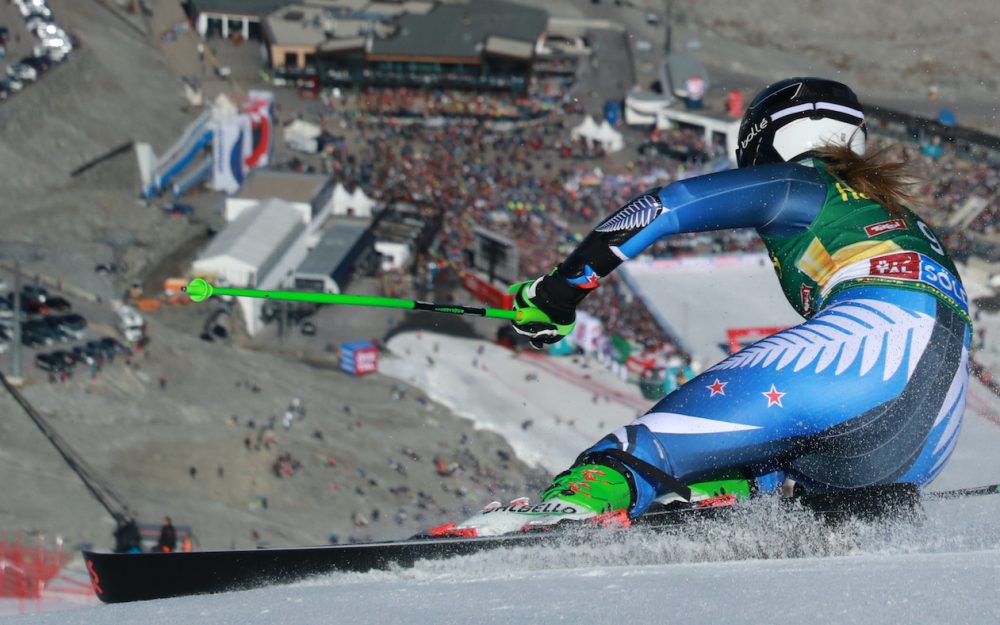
x,y
137,577
120,577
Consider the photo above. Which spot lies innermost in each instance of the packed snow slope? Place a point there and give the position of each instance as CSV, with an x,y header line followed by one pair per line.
x,y
703,296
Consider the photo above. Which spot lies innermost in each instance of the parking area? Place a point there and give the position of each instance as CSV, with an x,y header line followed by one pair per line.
x,y
31,42
61,335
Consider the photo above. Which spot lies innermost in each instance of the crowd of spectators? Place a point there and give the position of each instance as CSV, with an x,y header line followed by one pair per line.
x,y
403,102
530,183
686,144
521,183
946,180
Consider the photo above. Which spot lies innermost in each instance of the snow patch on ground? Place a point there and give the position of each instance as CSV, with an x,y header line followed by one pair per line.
x,y
544,407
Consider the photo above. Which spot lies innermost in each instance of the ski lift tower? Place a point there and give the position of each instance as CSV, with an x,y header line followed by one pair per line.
x,y
18,252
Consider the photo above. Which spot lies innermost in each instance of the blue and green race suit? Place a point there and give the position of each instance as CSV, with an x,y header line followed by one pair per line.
x,y
870,389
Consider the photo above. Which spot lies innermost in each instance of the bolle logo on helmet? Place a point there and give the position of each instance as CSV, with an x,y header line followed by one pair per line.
x,y
755,130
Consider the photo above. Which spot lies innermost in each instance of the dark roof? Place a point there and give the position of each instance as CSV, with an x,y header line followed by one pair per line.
x,y
333,248
239,7
286,185
461,29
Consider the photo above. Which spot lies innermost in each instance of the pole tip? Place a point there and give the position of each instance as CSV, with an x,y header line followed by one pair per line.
x,y
198,290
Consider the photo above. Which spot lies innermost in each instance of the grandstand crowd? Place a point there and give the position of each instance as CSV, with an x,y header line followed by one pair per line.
x,y
521,181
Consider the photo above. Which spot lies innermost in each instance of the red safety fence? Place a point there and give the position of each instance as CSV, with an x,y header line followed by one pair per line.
x,y
26,570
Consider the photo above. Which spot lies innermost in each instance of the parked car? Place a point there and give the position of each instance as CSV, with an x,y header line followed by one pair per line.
x,y
99,350
34,292
48,362
31,338
24,73
40,329
30,307
66,358
55,49
41,12
58,304
61,334
86,353
40,63
72,324
35,23
49,30
12,85
27,7
111,346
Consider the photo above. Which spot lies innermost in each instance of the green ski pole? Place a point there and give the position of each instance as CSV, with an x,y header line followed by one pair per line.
x,y
199,290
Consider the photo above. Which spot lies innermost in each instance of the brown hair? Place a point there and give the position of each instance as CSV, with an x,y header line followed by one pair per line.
x,y
874,174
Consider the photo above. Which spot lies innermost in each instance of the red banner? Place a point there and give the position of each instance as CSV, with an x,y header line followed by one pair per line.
x,y
366,361
491,295
741,337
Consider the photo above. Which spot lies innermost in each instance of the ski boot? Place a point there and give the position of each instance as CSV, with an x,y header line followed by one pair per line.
x,y
726,490
589,493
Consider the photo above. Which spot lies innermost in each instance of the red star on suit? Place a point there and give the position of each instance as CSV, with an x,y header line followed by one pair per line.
x,y
592,282
717,388
774,397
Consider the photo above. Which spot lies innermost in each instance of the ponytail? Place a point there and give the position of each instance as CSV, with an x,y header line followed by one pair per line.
x,y
873,174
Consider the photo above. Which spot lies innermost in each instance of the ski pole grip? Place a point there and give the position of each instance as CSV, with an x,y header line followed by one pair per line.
x,y
529,315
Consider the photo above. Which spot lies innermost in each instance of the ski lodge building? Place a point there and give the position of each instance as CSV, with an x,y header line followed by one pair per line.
x,y
479,44
225,18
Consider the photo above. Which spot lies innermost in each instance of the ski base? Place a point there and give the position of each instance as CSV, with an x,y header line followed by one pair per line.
x,y
138,577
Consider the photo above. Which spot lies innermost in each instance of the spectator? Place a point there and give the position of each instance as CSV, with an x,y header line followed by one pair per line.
x,y
168,537
127,537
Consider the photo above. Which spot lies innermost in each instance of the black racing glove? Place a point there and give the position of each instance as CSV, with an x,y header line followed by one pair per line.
x,y
548,308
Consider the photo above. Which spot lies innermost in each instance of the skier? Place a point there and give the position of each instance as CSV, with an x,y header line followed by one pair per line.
x,y
870,389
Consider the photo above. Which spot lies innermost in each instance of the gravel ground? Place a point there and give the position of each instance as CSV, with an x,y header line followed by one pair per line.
x,y
144,440
890,52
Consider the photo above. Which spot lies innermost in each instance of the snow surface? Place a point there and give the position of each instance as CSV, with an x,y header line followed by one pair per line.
x,y
503,391
701,297
766,566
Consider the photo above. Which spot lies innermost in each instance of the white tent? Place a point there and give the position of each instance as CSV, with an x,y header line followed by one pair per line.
x,y
342,200
361,204
302,136
610,138
223,107
356,204
394,254
587,130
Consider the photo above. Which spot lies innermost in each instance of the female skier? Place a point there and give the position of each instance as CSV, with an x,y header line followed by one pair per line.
x,y
870,389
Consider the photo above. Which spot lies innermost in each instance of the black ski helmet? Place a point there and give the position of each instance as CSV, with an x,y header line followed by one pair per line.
x,y
792,117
